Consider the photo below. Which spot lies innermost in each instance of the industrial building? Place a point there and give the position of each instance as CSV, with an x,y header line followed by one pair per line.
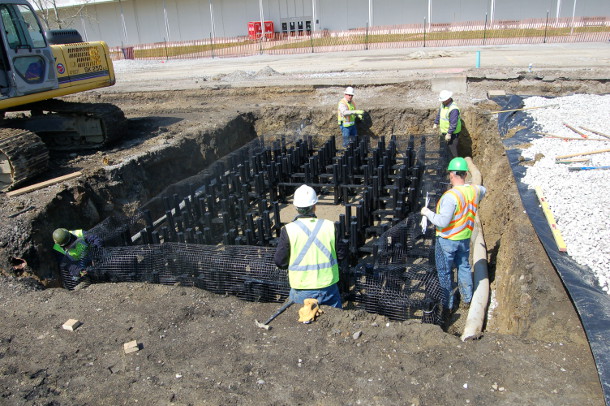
x,y
131,22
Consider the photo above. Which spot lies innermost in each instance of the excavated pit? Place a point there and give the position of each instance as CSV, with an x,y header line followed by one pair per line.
x,y
525,287
197,344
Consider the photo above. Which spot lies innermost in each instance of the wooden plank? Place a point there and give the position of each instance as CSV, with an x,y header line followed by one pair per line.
x,y
43,184
561,245
548,135
576,131
595,132
521,109
600,151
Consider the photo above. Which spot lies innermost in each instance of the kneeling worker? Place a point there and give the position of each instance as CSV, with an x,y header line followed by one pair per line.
x,y
72,250
309,249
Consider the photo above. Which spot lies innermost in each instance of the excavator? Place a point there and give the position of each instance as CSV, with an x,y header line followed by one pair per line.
x,y
37,67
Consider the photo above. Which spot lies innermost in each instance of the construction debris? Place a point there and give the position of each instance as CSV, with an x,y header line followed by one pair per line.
x,y
71,325
131,346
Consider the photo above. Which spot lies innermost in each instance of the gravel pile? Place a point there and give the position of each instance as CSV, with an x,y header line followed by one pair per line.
x,y
579,200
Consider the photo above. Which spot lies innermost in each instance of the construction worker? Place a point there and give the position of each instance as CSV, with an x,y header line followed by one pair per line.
x,y
449,121
307,248
346,116
454,220
73,253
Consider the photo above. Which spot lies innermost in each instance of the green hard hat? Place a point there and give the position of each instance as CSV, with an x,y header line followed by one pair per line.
x,y
61,236
458,164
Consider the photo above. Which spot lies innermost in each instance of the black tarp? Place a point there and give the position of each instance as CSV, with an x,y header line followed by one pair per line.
x,y
591,302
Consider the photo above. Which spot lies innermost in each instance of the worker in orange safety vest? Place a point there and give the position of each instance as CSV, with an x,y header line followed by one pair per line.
x,y
454,220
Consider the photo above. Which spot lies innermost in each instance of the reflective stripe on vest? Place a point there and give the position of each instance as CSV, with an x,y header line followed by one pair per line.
x,y
313,263
462,223
77,250
344,120
443,123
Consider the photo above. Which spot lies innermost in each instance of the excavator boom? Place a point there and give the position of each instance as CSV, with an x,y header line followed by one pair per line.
x,y
32,74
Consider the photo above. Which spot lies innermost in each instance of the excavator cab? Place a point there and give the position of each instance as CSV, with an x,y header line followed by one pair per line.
x,y
33,74
27,61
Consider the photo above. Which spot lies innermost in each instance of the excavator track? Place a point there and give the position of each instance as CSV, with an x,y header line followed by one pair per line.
x,y
23,156
67,126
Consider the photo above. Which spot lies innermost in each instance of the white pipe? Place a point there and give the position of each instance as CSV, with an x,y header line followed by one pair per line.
x,y
573,15
213,25
262,16
558,9
313,12
492,11
480,296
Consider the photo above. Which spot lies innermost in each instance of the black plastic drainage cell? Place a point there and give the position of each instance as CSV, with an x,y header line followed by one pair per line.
x,y
221,235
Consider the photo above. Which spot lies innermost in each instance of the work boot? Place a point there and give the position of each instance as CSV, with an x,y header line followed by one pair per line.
x,y
464,307
446,318
83,283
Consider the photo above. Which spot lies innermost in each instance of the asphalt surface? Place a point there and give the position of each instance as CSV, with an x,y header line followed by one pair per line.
x,y
591,60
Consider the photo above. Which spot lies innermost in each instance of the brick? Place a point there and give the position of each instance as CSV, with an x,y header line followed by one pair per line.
x,y
131,346
71,325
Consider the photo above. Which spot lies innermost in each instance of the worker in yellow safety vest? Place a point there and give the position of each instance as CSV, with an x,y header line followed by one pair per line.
x,y
73,252
454,220
309,249
346,116
449,121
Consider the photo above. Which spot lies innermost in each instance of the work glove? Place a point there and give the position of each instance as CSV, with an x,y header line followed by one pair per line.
x,y
309,311
447,137
359,116
434,126
425,211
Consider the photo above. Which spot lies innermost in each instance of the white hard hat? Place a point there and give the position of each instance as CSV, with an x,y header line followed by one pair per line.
x,y
305,196
349,90
445,95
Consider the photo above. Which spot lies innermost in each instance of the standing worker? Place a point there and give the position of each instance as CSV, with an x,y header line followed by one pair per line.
x,y
346,115
449,121
73,253
454,220
306,248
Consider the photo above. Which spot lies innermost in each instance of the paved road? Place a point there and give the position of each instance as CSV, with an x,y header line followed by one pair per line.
x,y
591,60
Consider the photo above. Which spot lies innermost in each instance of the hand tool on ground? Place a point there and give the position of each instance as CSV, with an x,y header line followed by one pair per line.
x,y
586,168
266,325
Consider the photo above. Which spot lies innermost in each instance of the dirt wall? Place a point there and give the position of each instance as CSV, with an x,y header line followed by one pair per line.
x,y
528,296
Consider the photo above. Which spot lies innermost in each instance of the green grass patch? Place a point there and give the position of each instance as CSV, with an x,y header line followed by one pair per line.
x,y
181,50
437,35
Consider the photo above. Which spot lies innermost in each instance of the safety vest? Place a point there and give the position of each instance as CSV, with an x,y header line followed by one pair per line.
x,y
343,120
313,260
462,223
77,250
443,123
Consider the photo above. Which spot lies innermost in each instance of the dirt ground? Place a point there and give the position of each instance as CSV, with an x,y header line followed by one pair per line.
x,y
198,348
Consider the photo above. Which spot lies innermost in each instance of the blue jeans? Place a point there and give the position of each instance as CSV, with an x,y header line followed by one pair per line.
x,y
350,134
447,254
329,296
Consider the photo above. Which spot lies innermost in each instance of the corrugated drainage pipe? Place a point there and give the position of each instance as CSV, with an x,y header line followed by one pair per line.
x,y
480,296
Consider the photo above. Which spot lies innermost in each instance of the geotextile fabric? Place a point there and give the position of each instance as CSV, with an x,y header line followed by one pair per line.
x,y
590,301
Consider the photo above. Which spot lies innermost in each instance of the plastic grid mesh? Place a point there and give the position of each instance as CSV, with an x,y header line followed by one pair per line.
x,y
400,282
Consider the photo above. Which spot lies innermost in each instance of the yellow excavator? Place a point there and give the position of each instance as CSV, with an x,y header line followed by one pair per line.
x,y
35,68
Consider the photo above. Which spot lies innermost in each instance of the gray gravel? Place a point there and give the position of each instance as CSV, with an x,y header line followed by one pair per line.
x,y
579,200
